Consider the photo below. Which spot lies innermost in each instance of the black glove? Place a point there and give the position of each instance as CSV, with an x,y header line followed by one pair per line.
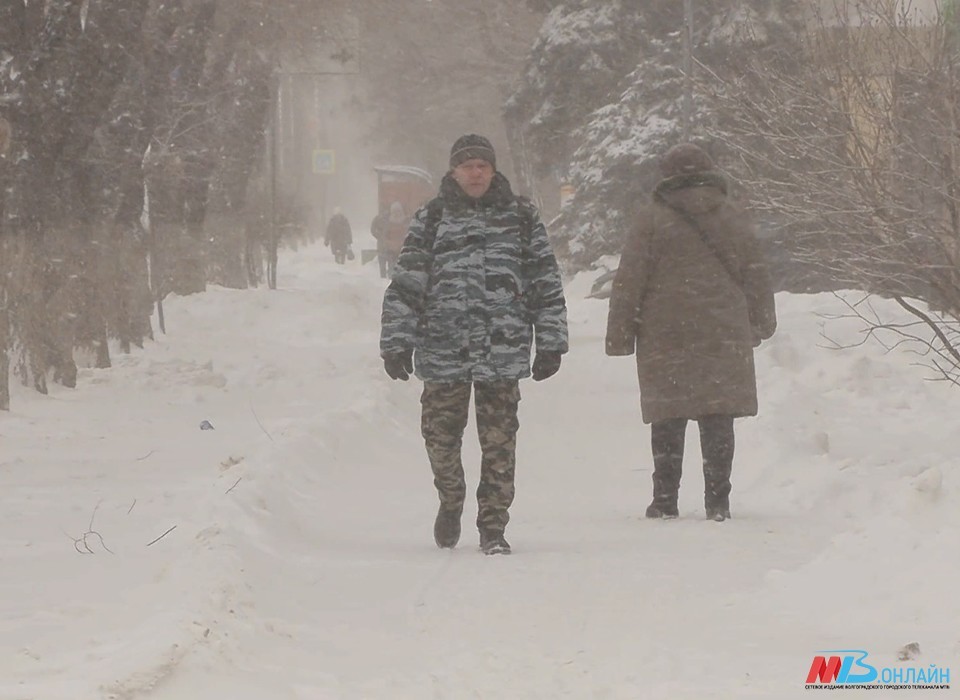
x,y
545,364
399,365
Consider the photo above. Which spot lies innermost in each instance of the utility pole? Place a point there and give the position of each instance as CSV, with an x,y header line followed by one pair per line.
x,y
284,102
274,242
687,69
293,63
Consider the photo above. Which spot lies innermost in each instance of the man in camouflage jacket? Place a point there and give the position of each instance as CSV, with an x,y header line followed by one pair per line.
x,y
475,284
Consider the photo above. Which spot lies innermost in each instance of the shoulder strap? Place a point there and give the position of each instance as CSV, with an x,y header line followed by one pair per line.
x,y
434,214
710,245
431,224
525,207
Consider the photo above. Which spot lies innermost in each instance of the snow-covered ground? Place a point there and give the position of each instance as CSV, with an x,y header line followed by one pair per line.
x,y
288,552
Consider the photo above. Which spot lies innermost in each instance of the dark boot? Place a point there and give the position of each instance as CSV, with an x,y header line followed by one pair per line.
x,y
446,528
493,542
716,439
662,511
718,512
666,439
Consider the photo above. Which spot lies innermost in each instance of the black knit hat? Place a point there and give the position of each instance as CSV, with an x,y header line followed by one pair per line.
x,y
685,159
472,146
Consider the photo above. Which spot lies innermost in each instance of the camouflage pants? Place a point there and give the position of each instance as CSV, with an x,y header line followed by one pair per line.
x,y
444,417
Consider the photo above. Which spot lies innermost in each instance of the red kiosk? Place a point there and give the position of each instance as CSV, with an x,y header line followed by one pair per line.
x,y
410,186
406,186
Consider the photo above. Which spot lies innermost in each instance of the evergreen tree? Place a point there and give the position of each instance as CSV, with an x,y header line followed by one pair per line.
x,y
604,95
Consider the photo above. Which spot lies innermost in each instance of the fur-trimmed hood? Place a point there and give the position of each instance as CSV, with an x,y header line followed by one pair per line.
x,y
696,193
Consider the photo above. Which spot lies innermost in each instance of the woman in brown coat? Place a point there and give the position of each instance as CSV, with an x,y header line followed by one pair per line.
x,y
692,298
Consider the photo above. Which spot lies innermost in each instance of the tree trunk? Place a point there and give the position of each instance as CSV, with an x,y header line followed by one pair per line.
x,y
4,325
239,132
177,179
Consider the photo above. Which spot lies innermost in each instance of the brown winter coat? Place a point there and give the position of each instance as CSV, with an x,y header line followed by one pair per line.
x,y
692,323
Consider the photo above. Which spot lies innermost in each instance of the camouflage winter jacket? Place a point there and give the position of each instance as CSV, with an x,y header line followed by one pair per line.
x,y
475,282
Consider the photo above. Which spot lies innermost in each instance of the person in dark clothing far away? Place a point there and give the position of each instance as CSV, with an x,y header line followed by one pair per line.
x,y
395,233
378,229
692,298
339,237
475,285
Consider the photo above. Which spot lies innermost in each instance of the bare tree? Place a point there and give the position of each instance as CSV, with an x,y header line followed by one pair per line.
x,y
68,59
850,156
100,102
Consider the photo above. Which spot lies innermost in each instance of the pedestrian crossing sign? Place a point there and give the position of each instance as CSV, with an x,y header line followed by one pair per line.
x,y
324,162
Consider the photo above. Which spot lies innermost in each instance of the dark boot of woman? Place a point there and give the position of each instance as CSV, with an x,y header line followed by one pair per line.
x,y
666,439
717,443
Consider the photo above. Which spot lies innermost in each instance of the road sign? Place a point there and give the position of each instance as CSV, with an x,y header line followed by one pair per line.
x,y
324,162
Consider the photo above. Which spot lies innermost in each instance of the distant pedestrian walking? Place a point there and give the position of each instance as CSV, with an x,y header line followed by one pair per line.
x,y
394,235
339,237
378,229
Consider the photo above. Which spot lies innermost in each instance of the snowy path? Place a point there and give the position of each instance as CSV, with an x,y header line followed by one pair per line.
x,y
302,564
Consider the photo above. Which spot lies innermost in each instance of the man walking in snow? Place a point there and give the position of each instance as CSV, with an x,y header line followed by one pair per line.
x,y
692,298
475,284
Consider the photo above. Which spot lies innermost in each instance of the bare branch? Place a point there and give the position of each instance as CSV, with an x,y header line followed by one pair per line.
x,y
933,326
81,541
162,536
256,418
